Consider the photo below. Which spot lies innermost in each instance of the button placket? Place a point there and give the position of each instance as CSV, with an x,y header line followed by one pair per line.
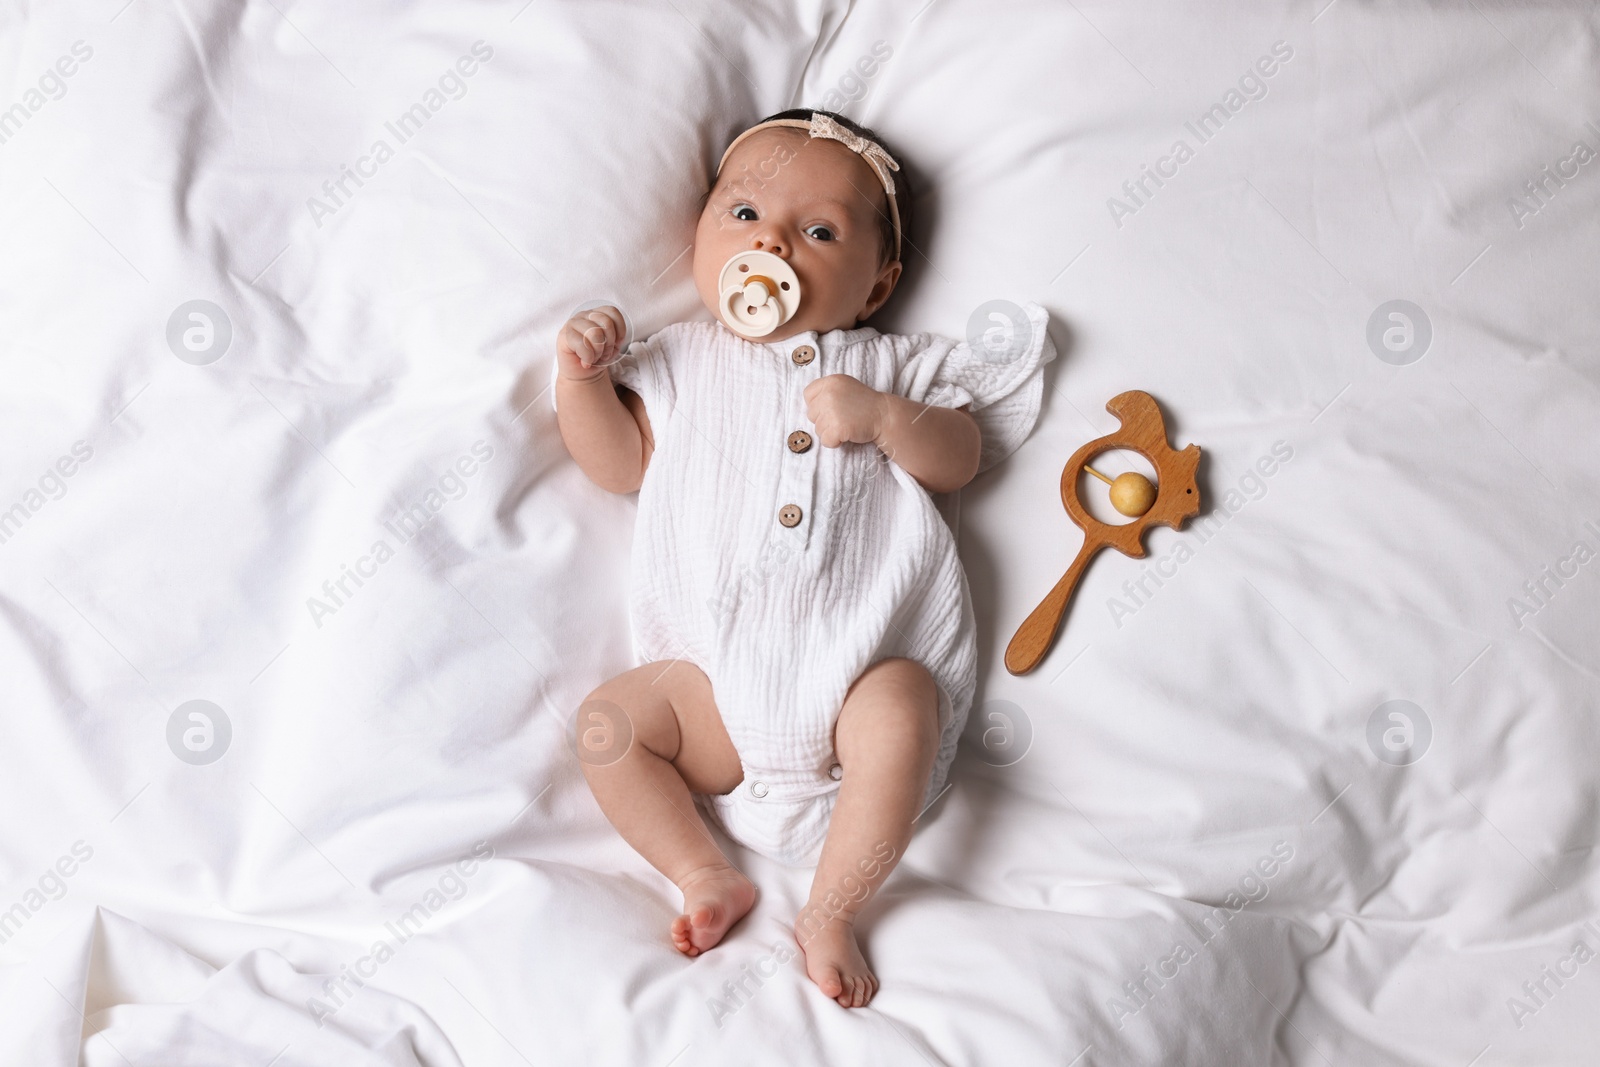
x,y
796,491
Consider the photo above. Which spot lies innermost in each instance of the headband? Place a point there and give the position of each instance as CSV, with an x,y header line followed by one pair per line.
x,y
822,126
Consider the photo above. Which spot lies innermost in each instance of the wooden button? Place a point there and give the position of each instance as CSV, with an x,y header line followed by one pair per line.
x,y
789,515
799,441
803,355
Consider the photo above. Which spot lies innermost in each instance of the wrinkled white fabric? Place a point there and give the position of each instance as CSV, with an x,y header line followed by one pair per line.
x,y
145,1002
783,618
1372,531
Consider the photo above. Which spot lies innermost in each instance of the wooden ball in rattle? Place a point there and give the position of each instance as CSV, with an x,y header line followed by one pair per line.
x,y
1132,494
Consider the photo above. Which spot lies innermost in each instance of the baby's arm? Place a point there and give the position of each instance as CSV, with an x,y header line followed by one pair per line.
x,y
607,433
937,446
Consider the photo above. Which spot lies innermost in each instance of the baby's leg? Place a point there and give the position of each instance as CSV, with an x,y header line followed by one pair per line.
x,y
886,740
679,745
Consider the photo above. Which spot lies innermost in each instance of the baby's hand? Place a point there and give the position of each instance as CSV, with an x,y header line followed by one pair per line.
x,y
845,409
589,342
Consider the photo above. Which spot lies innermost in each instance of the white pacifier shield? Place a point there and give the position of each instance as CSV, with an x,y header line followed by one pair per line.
x,y
759,293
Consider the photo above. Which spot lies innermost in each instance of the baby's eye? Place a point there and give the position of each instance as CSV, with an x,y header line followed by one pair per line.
x,y
744,213
820,233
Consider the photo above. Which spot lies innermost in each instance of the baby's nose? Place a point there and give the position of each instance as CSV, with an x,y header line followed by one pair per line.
x,y
771,242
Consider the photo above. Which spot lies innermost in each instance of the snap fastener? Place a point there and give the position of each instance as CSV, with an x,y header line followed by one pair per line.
x,y
758,789
836,772
803,355
799,441
790,515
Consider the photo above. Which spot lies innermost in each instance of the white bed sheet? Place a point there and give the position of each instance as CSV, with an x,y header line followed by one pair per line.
x,y
1201,737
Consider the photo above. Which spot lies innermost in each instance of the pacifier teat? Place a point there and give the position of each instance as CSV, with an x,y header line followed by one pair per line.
x,y
759,293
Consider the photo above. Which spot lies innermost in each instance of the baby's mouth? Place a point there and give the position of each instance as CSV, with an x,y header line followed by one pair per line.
x,y
757,293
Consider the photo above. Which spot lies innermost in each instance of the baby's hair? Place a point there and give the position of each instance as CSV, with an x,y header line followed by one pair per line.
x,y
902,185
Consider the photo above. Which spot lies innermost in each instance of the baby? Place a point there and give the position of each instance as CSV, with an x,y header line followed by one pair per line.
x,y
803,621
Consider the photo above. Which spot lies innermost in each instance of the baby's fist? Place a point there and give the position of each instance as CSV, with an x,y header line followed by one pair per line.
x,y
589,342
845,409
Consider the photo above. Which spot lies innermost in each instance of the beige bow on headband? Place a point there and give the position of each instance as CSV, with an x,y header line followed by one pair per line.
x,y
822,126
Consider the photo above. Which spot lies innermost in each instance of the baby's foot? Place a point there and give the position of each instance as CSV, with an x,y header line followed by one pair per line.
x,y
834,962
714,898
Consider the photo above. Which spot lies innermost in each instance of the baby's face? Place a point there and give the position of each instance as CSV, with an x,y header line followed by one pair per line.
x,y
816,205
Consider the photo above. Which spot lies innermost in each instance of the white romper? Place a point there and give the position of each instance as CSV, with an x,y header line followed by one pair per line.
x,y
784,569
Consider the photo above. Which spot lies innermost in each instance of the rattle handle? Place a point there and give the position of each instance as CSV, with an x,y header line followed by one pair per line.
x,y
1038,631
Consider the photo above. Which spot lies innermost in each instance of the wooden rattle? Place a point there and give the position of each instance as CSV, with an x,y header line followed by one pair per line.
x,y
1173,500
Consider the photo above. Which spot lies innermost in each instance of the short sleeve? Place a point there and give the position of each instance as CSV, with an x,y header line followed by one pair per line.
x,y
646,369
1002,380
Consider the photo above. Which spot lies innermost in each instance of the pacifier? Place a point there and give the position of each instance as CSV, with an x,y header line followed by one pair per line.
x,y
759,293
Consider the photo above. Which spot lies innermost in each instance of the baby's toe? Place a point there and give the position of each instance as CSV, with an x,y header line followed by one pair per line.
x,y
831,983
680,936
